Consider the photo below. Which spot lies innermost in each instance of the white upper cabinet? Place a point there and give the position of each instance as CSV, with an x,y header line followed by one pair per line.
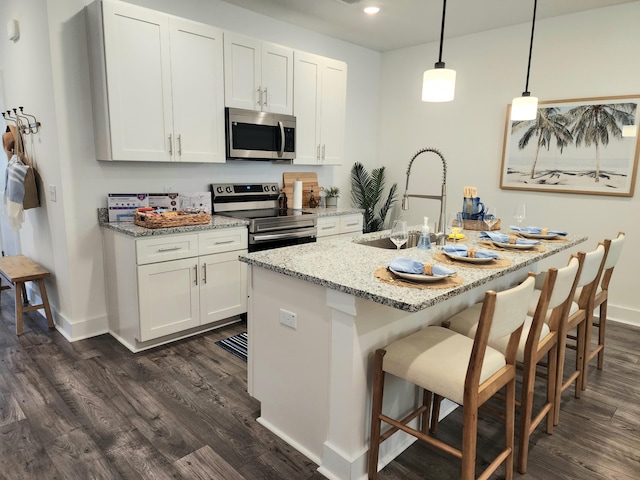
x,y
258,75
157,84
320,88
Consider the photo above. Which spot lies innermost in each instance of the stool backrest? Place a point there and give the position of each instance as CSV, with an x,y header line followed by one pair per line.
x,y
510,309
613,255
502,314
590,274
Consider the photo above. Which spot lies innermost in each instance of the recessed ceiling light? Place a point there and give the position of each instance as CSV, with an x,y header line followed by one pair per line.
x,y
371,10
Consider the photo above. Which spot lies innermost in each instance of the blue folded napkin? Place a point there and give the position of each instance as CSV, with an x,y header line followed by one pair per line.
x,y
462,251
409,265
504,238
535,230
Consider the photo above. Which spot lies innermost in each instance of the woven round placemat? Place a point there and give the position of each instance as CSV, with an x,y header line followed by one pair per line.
x,y
386,276
491,246
497,263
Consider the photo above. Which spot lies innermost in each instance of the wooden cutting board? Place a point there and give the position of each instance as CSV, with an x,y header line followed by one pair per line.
x,y
309,181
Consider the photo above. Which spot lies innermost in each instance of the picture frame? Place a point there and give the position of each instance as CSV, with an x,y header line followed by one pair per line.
x,y
574,146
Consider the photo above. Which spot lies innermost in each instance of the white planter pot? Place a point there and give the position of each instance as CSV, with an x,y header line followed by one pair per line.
x,y
332,201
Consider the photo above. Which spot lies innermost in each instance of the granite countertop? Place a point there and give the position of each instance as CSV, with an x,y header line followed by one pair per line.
x,y
347,266
217,221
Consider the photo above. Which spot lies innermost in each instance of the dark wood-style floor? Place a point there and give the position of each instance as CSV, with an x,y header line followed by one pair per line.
x,y
93,410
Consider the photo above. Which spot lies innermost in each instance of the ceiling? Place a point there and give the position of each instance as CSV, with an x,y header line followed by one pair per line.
x,y
404,23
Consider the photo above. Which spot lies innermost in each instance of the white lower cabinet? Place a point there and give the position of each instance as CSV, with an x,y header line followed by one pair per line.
x,y
339,226
166,287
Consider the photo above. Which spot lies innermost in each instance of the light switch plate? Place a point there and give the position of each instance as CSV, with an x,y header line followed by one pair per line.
x,y
13,30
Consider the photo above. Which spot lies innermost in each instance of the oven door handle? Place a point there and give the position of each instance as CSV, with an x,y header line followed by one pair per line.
x,y
272,228
307,232
281,152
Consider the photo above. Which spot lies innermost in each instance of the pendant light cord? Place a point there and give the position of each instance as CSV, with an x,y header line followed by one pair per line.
x,y
533,26
444,10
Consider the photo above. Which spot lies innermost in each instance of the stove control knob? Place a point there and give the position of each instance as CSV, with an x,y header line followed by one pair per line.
x,y
274,188
229,189
219,189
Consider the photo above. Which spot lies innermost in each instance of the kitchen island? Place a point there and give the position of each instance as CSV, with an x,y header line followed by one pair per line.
x,y
317,313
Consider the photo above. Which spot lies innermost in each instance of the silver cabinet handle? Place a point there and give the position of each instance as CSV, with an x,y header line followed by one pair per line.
x,y
323,148
195,273
318,152
328,227
170,145
224,242
259,96
265,97
169,249
179,144
353,224
204,273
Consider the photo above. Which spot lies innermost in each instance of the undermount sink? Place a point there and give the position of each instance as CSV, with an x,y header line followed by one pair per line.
x,y
381,243
386,242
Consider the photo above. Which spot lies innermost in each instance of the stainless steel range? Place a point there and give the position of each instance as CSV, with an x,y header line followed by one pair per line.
x,y
269,227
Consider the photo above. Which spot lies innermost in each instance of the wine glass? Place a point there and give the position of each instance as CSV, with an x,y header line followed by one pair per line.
x,y
399,234
520,213
491,217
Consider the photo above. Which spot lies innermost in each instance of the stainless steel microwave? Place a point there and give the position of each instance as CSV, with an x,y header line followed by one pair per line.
x,y
259,135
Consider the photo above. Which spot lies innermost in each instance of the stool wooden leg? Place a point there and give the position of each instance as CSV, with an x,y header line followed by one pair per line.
x,y
19,290
45,302
601,332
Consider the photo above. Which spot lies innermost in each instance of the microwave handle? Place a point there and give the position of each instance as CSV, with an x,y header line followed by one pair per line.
x,y
281,152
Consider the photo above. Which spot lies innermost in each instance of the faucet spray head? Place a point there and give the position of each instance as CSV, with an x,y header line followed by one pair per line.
x,y
405,202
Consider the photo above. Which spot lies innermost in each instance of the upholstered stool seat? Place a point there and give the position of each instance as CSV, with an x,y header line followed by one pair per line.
x,y
418,359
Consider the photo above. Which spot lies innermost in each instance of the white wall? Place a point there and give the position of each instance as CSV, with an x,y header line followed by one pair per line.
x,y
53,83
591,54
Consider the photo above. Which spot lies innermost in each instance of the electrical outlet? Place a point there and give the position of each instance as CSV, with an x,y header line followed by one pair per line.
x,y
288,318
168,190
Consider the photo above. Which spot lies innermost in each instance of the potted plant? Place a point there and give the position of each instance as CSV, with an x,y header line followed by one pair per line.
x,y
367,193
332,194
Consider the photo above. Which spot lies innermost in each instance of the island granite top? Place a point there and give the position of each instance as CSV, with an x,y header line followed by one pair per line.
x,y
348,266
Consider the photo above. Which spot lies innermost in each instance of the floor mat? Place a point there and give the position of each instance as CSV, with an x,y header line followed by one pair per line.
x,y
236,344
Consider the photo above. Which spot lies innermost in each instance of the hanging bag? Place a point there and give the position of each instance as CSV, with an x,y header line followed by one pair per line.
x,y
30,198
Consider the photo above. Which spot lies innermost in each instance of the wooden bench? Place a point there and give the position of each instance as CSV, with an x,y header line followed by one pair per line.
x,y
17,270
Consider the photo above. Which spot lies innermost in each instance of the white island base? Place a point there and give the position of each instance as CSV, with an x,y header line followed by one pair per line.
x,y
314,380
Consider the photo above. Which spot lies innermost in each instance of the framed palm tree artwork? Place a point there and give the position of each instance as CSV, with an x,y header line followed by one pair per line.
x,y
584,145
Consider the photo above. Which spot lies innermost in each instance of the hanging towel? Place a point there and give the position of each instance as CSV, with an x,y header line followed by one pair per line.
x,y
14,191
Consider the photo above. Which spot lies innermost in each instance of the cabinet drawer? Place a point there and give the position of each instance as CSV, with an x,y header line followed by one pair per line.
x,y
328,226
161,249
351,223
222,240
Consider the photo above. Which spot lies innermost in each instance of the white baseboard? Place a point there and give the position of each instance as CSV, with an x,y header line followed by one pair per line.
x,y
624,315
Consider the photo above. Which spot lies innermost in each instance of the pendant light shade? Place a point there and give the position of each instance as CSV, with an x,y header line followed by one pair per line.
x,y
526,106
439,83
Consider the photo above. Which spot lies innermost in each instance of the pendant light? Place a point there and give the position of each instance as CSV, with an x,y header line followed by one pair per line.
x,y
439,83
526,106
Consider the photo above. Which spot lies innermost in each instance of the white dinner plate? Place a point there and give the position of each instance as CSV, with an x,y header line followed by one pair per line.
x,y
539,236
515,246
416,277
469,259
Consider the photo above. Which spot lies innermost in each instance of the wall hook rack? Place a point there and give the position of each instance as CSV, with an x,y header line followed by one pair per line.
x,y
25,122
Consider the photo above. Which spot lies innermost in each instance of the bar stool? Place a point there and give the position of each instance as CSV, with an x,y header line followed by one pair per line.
x,y
454,366
539,339
580,313
601,299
